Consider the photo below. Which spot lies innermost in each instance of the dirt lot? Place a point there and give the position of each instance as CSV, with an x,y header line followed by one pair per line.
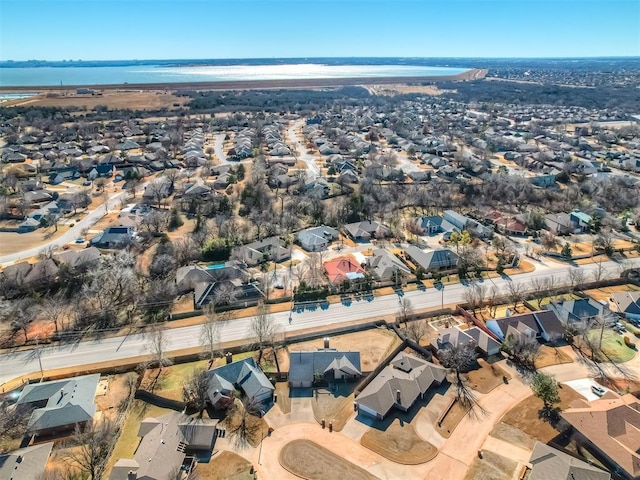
x,y
491,467
113,99
373,344
525,415
310,461
551,356
227,466
399,443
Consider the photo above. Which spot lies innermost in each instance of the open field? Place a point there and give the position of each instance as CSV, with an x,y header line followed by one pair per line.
x,y
227,466
399,443
310,461
113,99
12,242
526,415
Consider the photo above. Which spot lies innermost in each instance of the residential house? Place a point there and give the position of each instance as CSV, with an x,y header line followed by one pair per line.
x,y
78,258
542,324
28,463
547,463
114,237
463,222
60,405
343,269
567,223
611,426
433,261
436,224
317,238
270,249
189,276
627,304
325,365
385,266
168,444
580,311
366,230
241,293
453,337
399,384
244,375
28,225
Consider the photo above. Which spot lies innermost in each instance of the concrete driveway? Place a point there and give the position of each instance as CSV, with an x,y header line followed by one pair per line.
x,y
583,387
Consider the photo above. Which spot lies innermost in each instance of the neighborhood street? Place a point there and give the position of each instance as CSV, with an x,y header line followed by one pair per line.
x,y
312,168
16,364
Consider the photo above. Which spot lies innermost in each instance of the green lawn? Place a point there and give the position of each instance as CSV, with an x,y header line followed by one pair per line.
x,y
613,345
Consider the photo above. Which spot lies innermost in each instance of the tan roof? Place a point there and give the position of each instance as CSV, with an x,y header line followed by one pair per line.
x,y
613,426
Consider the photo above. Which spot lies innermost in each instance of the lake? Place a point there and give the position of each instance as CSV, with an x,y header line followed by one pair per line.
x,y
53,76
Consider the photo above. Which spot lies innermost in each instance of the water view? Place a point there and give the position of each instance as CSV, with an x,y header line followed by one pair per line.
x,y
51,76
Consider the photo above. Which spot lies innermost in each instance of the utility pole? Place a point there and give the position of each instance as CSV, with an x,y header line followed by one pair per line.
x,y
39,351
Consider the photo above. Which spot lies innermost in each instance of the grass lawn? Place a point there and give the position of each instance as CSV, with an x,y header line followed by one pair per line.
x,y
491,467
171,379
551,356
399,443
605,292
525,415
556,298
613,345
335,409
455,414
486,377
227,466
310,461
512,435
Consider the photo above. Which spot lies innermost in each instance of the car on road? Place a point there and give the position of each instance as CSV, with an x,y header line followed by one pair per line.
x,y
598,390
80,240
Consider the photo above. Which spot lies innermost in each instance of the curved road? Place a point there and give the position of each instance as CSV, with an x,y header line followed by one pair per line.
x,y
16,364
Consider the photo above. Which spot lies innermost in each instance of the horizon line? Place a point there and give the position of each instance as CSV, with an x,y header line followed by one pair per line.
x,y
327,57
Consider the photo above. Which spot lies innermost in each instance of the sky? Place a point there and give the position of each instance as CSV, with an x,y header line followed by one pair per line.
x,y
191,29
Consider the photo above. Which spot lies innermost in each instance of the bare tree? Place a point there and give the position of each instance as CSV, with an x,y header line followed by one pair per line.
x,y
474,296
263,329
523,349
600,272
492,300
576,277
405,310
54,309
195,391
94,443
157,345
539,287
459,359
415,330
210,334
244,424
224,294
515,293
314,271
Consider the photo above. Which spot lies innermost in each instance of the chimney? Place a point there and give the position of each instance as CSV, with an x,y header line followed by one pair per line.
x,y
132,475
229,357
398,396
326,342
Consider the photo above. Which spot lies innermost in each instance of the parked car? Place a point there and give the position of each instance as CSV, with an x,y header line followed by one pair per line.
x,y
80,240
599,391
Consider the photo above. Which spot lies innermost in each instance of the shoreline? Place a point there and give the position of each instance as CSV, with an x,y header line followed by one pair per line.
x,y
472,74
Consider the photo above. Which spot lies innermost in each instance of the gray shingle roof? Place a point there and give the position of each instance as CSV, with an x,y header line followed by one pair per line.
x,y
244,373
303,365
68,401
25,463
547,463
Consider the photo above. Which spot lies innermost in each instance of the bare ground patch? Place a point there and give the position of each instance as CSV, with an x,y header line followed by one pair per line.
x,y
399,443
512,435
487,377
491,467
310,461
551,356
227,466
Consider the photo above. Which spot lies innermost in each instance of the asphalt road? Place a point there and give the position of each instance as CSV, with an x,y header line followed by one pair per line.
x,y
67,237
16,364
312,168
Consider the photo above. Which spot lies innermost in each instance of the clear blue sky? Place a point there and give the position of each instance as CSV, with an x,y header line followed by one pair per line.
x,y
160,29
